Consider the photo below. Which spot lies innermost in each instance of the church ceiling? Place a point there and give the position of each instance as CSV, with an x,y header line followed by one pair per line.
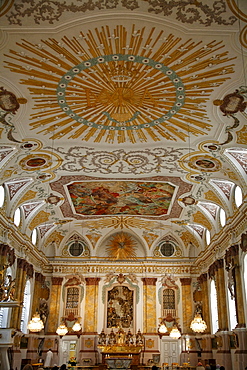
x,y
124,116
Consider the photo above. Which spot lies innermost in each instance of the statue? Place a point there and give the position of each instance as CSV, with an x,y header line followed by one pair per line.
x,y
111,338
129,341
120,336
102,338
43,310
7,289
139,338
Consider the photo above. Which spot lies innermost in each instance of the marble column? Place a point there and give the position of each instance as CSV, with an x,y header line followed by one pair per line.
x,y
186,304
149,305
232,258
238,287
241,351
55,301
20,281
91,306
221,295
223,354
38,283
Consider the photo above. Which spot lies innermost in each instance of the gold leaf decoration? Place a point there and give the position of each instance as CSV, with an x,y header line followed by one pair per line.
x,y
188,238
40,218
210,195
121,246
242,135
199,217
28,196
54,236
130,88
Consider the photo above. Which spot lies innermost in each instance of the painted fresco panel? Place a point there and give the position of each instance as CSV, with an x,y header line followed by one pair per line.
x,y
121,197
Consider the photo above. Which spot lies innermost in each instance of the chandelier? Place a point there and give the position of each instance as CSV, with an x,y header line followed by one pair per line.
x,y
162,329
198,325
62,330
175,333
36,324
76,327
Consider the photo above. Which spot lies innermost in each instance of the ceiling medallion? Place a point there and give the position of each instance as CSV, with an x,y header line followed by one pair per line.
x,y
114,89
111,99
205,163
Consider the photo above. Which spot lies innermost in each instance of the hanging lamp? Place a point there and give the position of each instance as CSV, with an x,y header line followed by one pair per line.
x,y
198,325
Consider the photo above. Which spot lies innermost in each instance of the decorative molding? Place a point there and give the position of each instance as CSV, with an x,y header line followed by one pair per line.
x,y
186,12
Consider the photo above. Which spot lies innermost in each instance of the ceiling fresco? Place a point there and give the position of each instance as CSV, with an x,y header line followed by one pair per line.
x,y
122,123
121,85
121,197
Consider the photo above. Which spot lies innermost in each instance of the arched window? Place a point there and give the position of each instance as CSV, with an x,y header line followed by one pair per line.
x,y
214,307
2,195
222,217
168,299
208,237
34,236
26,307
17,217
72,301
238,196
232,311
169,302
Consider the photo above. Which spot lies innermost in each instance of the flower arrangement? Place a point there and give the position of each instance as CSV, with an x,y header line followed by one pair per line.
x,y
72,361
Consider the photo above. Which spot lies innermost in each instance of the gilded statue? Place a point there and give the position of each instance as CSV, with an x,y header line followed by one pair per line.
x,y
7,289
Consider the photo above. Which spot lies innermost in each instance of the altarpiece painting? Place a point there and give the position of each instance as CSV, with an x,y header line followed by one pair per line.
x,y
120,300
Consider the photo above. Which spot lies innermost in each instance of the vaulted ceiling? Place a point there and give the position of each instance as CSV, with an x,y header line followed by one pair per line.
x,y
123,123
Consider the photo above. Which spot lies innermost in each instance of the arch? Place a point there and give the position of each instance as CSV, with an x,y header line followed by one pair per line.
x,y
117,240
2,195
81,245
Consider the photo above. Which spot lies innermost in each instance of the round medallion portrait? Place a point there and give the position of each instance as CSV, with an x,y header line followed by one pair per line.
x,y
205,163
35,162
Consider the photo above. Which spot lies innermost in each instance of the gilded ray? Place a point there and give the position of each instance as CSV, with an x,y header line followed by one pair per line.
x,y
116,85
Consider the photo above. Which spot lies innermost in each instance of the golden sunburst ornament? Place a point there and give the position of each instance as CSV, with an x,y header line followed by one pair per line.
x,y
121,85
121,247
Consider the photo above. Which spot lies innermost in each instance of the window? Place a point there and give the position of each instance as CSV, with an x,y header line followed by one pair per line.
x,y
168,299
167,249
72,298
238,196
232,311
17,217
34,236
208,237
2,195
76,248
26,307
214,307
222,217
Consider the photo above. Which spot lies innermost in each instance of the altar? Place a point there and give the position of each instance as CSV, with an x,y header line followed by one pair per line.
x,y
122,357
120,350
